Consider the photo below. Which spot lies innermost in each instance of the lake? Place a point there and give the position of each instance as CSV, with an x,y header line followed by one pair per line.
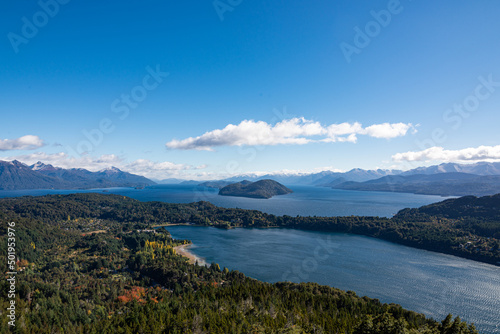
x,y
431,283
304,201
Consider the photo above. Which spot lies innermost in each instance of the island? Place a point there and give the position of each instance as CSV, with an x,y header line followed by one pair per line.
x,y
259,189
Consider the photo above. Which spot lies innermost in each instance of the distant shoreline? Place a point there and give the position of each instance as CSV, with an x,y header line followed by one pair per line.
x,y
174,224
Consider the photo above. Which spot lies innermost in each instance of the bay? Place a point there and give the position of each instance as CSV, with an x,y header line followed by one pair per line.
x,y
426,282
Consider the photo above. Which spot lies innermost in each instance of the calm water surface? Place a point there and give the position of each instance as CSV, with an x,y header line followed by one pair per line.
x,y
304,201
431,283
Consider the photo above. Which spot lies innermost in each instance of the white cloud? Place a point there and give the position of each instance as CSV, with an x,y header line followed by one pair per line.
x,y
297,131
387,130
151,169
344,129
158,170
28,142
300,171
250,132
481,153
108,159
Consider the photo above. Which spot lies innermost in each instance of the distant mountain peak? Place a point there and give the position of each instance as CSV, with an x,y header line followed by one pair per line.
x,y
38,165
112,169
18,163
41,166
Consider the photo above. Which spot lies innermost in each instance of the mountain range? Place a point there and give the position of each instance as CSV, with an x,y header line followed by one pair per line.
x,y
319,179
480,168
443,184
448,179
15,175
330,178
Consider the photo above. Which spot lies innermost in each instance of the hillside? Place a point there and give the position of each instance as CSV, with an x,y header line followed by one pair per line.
x,y
259,189
16,176
443,184
485,208
478,215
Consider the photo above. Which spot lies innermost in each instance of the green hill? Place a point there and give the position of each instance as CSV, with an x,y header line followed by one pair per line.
x,y
478,215
258,189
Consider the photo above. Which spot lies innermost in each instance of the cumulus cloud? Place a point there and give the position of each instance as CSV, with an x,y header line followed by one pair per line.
x,y
297,131
28,142
341,129
147,168
387,130
250,132
481,153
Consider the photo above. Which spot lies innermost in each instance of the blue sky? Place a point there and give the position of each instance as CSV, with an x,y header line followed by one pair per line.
x,y
251,86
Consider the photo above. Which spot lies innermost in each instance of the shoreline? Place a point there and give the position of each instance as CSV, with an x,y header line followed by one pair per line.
x,y
183,250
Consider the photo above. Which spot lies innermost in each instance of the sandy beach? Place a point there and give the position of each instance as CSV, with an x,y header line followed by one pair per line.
x,y
183,250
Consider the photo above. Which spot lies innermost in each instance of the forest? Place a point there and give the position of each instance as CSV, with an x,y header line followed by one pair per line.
x,y
93,263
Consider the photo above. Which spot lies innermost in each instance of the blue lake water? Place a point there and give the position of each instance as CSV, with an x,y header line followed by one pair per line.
x,y
304,201
431,283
